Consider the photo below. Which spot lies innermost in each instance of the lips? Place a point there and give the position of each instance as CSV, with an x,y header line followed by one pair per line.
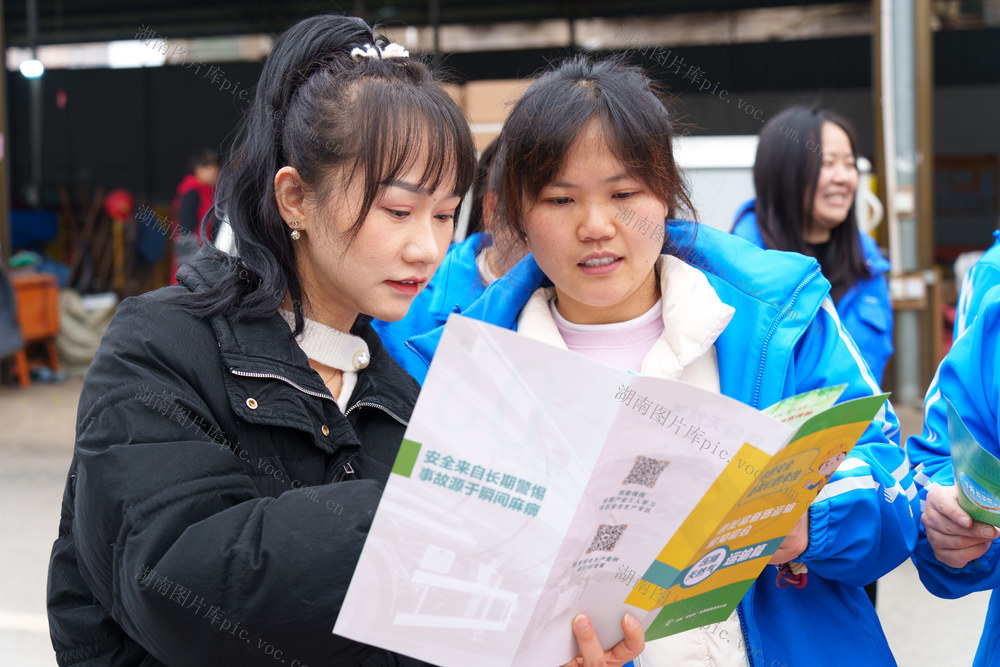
x,y
599,258
409,286
600,263
603,261
837,197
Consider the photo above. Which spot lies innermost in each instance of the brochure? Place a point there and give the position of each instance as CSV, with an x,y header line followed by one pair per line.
x,y
977,472
707,567
534,484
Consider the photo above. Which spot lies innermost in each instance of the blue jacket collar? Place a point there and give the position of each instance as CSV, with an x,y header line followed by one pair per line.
x,y
746,227
460,270
776,296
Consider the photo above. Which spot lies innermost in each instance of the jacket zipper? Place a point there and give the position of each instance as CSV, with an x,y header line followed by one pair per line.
x,y
756,400
271,376
743,629
413,348
366,404
770,334
369,404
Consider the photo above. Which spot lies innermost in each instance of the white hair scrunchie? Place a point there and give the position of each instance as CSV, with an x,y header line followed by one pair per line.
x,y
392,50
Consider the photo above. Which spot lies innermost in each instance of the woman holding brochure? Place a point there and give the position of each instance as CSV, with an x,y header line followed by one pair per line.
x,y
590,184
236,430
956,555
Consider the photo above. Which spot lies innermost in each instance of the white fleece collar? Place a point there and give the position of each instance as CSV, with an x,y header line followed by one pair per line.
x,y
693,318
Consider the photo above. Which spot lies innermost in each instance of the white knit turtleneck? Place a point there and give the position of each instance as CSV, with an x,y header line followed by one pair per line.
x,y
334,348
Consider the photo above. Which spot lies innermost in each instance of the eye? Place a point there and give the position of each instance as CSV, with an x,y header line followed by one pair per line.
x,y
559,201
395,213
624,195
446,217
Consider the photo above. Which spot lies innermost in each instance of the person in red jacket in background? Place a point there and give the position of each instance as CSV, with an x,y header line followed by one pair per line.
x,y
195,198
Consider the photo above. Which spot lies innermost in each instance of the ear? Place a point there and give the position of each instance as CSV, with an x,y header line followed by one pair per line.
x,y
290,195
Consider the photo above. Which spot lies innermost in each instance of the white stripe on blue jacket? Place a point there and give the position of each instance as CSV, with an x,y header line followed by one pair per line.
x,y
969,378
785,338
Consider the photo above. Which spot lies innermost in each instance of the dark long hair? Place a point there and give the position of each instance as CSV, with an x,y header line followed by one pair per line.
x,y
785,173
316,108
480,186
546,121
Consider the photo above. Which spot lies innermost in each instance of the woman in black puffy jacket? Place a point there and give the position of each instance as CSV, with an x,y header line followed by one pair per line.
x,y
235,431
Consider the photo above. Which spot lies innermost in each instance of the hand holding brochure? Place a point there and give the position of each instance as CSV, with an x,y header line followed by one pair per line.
x,y
534,484
977,472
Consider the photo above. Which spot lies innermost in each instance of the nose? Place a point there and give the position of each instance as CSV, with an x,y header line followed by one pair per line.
x,y
843,172
597,222
422,243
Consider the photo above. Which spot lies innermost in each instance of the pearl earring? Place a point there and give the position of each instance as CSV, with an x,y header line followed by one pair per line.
x,y
296,234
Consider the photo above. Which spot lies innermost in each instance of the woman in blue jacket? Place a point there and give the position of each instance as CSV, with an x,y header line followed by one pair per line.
x,y
806,178
956,555
589,180
932,444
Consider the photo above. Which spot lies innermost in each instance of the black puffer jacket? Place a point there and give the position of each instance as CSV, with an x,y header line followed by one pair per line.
x,y
218,499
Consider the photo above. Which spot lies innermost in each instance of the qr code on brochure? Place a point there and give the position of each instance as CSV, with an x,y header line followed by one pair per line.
x,y
607,537
646,471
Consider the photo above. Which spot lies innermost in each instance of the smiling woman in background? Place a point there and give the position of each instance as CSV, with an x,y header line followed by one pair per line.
x,y
806,178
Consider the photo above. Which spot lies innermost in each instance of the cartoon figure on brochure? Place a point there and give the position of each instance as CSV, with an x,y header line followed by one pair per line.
x,y
833,458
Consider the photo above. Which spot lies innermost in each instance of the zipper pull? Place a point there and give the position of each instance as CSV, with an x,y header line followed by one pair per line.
x,y
348,470
792,574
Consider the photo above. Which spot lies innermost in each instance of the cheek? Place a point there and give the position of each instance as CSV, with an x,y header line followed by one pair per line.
x,y
534,237
546,253
443,237
646,240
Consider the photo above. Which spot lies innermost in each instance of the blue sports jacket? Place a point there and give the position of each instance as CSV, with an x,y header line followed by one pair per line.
x,y
454,286
784,338
983,276
865,309
969,378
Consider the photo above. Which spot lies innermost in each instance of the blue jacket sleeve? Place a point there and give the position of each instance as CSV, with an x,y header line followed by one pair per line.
x,y
862,524
967,377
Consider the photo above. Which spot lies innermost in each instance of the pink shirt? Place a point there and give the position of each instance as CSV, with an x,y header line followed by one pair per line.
x,y
621,344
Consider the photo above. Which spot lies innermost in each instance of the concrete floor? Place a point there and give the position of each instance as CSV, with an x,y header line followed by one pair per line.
x,y
36,443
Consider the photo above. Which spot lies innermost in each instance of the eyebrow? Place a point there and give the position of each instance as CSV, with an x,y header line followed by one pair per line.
x,y
409,187
414,188
618,177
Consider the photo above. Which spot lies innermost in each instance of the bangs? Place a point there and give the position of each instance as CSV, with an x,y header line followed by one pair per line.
x,y
642,143
638,142
411,128
634,118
